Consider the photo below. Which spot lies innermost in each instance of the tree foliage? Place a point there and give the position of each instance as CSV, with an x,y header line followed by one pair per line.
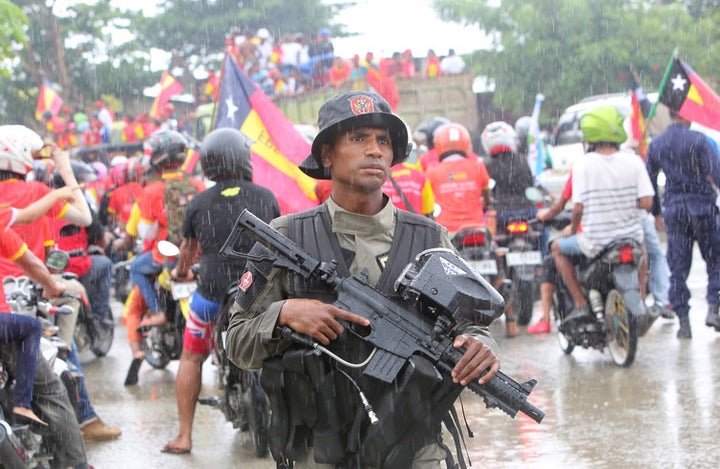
x,y
570,49
12,33
93,49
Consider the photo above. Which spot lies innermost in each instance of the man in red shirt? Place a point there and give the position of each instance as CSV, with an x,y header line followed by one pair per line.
x,y
409,189
168,150
460,184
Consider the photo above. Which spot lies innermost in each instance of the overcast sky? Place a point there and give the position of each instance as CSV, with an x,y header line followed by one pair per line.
x,y
387,26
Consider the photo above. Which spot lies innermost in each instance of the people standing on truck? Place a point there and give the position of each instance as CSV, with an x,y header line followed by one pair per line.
x,y
452,64
360,139
432,65
210,217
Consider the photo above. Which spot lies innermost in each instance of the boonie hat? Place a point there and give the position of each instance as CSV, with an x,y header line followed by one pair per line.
x,y
350,110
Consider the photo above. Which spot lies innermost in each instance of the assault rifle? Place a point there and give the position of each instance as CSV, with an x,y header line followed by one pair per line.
x,y
436,291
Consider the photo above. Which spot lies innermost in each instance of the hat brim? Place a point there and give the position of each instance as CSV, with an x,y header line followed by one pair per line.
x,y
312,165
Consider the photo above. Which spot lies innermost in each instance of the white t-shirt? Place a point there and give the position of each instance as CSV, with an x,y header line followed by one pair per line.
x,y
452,65
609,187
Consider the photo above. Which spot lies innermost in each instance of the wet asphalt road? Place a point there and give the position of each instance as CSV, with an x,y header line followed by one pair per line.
x,y
659,413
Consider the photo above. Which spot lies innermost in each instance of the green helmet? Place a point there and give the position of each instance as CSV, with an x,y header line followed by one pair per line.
x,y
603,124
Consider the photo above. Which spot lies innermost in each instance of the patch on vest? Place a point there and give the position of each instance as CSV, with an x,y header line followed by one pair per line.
x,y
382,260
246,280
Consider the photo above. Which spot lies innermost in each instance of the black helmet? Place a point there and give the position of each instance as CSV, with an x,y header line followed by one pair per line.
x,y
426,130
225,153
84,174
166,148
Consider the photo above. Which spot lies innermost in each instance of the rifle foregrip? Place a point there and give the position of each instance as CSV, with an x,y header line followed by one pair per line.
x,y
508,395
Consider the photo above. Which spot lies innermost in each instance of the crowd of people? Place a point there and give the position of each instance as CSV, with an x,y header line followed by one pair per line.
x,y
376,195
297,63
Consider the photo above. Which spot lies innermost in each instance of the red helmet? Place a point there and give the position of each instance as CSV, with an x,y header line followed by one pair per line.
x,y
452,138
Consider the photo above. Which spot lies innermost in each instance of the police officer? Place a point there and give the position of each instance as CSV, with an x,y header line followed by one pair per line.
x,y
360,139
225,159
690,214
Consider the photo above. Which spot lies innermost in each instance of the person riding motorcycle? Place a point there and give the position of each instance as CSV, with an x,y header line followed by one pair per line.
x,y
425,140
210,217
167,150
610,188
511,174
461,184
462,191
85,246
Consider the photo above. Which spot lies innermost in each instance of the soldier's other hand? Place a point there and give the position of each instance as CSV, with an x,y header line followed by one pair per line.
x,y
477,359
316,319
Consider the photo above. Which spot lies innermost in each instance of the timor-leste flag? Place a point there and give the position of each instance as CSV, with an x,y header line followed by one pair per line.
x,y
278,147
169,87
690,96
48,100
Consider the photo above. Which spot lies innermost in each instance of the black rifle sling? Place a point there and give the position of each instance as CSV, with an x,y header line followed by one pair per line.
x,y
401,194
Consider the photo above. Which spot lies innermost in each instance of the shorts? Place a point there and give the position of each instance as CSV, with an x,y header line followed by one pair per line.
x,y
199,337
569,246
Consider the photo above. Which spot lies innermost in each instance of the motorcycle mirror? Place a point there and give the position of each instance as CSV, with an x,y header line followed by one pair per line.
x,y
57,260
533,194
168,249
491,184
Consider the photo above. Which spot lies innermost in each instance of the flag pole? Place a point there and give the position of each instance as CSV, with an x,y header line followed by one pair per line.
x,y
663,83
220,85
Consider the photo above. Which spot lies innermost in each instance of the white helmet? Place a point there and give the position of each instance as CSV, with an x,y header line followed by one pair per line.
x,y
499,137
17,144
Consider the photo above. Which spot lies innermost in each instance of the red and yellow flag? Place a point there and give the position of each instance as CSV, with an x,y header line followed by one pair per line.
x,y
278,148
48,100
169,87
693,99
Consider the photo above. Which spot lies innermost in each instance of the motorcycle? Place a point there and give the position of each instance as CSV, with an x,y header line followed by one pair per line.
x,y
610,284
476,245
19,446
520,236
243,401
164,343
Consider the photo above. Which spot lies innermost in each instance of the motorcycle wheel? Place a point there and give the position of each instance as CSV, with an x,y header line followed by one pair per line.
x,y
621,330
103,332
81,336
259,416
155,358
565,344
522,301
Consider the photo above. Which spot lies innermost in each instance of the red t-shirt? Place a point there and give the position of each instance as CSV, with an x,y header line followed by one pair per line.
x,y
73,239
122,199
11,248
458,186
414,184
152,206
38,234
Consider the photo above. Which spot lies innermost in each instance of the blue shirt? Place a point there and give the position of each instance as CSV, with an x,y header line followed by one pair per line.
x,y
687,159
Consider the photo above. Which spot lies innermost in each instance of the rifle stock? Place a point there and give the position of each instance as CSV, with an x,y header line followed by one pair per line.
x,y
397,329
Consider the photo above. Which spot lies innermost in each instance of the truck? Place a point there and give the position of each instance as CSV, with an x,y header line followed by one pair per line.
x,y
448,96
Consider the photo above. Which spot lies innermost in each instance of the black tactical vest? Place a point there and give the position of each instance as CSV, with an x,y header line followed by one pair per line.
x,y
314,400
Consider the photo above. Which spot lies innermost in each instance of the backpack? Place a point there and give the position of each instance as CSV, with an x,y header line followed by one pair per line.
x,y
178,193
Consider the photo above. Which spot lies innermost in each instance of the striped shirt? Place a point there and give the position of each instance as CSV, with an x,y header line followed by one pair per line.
x,y
609,187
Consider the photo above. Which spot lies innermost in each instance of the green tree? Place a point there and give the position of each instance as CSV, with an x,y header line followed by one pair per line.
x,y
79,47
570,49
12,33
